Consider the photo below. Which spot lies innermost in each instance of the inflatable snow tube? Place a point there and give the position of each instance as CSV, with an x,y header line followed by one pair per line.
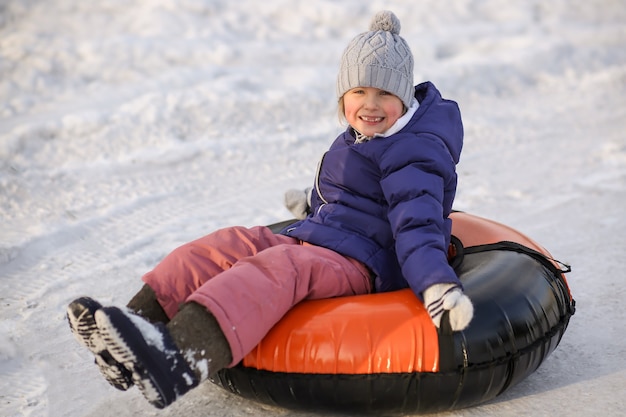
x,y
381,354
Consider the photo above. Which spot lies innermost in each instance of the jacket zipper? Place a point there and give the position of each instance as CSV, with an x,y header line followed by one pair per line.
x,y
317,181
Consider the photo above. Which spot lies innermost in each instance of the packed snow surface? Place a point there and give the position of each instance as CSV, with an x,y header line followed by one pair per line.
x,y
128,128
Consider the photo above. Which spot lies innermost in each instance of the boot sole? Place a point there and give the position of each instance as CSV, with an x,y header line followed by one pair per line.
x,y
148,360
80,316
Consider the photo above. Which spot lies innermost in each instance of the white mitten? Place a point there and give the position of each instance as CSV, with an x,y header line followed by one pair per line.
x,y
441,297
298,202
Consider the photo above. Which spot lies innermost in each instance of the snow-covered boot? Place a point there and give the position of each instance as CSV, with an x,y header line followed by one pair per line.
x,y
148,351
80,315
198,335
146,305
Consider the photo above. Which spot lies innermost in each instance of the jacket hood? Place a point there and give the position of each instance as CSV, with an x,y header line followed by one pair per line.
x,y
439,117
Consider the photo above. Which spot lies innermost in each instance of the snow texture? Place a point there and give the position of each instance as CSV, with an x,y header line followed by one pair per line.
x,y
129,128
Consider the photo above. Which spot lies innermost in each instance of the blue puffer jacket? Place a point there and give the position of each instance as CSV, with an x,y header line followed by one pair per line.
x,y
386,202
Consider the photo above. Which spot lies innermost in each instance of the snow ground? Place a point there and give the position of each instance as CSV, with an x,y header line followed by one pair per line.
x,y
129,128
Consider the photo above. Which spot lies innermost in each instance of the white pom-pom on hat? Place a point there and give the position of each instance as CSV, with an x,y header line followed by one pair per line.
x,y
387,21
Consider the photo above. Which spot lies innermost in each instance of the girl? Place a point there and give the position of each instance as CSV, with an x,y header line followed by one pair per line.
x,y
376,219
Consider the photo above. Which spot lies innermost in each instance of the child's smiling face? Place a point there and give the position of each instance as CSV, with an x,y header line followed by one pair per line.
x,y
371,110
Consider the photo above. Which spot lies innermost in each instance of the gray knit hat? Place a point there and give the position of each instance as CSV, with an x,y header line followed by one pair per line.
x,y
379,58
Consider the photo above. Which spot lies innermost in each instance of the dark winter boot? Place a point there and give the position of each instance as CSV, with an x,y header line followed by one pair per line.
x,y
148,351
198,335
80,315
146,305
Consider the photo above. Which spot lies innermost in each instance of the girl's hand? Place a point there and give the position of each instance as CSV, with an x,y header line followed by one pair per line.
x,y
441,297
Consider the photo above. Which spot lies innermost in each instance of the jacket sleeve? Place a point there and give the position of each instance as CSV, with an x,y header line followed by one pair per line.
x,y
416,171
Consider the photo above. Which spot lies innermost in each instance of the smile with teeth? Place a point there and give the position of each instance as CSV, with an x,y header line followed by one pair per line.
x,y
371,119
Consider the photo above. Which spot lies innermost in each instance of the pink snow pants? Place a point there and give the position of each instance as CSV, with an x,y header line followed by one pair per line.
x,y
249,278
